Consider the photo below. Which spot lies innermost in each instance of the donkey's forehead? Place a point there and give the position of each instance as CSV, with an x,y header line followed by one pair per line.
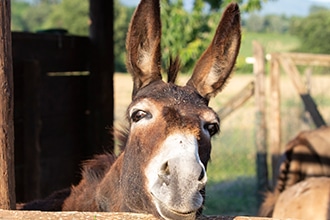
x,y
171,94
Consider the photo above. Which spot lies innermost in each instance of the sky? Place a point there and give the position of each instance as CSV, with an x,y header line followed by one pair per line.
x,y
287,7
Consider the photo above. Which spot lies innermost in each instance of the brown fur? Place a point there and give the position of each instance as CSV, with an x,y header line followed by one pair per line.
x,y
307,199
159,170
306,156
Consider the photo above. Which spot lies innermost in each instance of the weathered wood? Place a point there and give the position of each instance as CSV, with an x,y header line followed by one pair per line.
x,y
291,69
7,179
275,116
238,100
260,120
34,215
101,81
55,53
308,59
32,128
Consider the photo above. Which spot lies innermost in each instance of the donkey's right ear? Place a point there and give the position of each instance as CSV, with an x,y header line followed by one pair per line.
x,y
143,44
215,65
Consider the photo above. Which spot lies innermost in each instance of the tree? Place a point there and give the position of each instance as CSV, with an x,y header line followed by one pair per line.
x,y
276,23
18,22
71,15
247,6
122,16
313,31
185,33
29,16
255,23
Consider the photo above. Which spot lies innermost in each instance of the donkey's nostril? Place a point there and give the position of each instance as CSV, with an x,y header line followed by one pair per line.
x,y
165,170
201,175
164,173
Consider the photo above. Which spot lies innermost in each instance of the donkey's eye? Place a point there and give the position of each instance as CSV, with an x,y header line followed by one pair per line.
x,y
138,115
212,128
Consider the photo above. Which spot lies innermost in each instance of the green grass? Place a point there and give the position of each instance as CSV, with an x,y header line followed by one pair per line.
x,y
231,173
237,197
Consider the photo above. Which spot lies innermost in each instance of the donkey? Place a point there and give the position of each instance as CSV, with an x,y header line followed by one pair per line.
x,y
162,167
305,167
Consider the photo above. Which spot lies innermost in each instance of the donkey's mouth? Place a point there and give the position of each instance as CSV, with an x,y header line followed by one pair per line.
x,y
169,213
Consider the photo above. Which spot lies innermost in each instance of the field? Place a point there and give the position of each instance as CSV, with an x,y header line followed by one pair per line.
x,y
231,186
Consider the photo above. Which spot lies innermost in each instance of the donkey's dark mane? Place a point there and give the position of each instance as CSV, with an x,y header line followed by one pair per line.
x,y
173,69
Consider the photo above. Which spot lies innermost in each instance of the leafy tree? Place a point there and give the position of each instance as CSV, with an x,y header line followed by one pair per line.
x,y
313,31
18,15
247,6
122,16
29,17
254,23
276,23
71,15
185,33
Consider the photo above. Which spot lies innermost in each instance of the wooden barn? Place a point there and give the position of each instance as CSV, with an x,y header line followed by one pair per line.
x,y
57,119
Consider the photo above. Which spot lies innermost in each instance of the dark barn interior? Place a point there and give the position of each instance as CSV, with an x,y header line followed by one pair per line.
x,y
61,119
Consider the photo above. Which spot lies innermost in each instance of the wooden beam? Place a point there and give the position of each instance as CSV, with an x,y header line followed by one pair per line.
x,y
20,215
7,173
260,119
310,105
101,76
292,71
237,101
308,59
55,52
275,116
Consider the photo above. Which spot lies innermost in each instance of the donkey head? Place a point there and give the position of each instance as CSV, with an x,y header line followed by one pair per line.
x,y
168,147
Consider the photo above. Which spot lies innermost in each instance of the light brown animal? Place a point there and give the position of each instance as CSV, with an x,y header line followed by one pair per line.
x,y
308,199
306,156
167,145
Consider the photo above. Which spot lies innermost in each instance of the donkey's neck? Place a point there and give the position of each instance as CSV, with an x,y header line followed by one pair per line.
x,y
109,196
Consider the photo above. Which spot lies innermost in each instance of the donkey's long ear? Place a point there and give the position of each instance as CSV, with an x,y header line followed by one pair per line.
x,y
143,44
215,65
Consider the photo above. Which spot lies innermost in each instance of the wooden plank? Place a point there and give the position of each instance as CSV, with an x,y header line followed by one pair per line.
x,y
34,215
7,173
55,53
101,80
238,100
307,59
275,116
310,105
260,120
292,71
32,128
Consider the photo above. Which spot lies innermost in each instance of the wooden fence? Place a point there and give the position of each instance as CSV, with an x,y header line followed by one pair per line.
x,y
289,62
257,89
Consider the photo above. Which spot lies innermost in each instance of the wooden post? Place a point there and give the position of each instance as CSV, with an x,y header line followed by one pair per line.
x,y
101,81
32,128
7,173
291,69
275,116
237,101
260,114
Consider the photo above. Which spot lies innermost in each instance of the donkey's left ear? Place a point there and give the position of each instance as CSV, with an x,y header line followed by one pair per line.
x,y
216,64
